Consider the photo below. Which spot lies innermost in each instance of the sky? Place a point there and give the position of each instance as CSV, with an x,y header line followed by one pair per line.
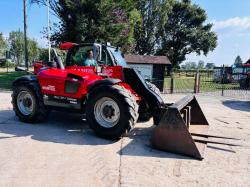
x,y
11,14
231,19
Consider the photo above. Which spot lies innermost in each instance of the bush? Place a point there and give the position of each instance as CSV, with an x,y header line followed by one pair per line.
x,y
7,63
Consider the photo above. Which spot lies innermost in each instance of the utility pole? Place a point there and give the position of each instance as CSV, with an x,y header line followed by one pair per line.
x,y
48,28
25,36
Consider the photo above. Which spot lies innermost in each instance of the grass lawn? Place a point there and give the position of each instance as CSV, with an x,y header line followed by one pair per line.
x,y
180,83
206,85
6,79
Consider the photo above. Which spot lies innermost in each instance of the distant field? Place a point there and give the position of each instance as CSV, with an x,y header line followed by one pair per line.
x,y
6,79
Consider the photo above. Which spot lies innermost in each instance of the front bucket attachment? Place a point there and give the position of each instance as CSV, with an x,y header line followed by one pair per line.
x,y
178,123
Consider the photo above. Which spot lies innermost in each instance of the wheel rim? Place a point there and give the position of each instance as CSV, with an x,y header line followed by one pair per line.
x,y
107,112
25,103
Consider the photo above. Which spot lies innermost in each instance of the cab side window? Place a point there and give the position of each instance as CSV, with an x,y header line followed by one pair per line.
x,y
106,60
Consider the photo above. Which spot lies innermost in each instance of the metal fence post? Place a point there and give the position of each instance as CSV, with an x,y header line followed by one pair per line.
x,y
222,81
199,82
196,83
172,83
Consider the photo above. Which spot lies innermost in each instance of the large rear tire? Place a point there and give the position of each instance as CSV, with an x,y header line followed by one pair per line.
x,y
111,111
28,103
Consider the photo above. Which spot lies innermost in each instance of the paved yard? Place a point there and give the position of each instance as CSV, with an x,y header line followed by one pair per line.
x,y
65,152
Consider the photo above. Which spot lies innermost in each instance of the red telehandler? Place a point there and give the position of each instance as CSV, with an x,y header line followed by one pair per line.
x,y
111,96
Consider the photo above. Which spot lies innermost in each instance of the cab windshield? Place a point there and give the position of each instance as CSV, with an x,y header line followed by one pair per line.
x,y
117,55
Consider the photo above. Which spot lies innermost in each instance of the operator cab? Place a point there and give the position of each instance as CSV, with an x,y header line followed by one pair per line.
x,y
103,55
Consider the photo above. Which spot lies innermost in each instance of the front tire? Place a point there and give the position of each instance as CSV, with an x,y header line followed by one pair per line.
x,y
111,111
28,103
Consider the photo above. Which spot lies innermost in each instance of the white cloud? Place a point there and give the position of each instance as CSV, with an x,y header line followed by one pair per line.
x,y
239,23
42,42
5,35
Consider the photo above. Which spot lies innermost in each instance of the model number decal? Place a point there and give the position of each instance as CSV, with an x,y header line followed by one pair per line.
x,y
86,70
108,71
49,88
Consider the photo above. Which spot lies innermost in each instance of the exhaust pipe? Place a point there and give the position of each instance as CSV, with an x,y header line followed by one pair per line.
x,y
183,129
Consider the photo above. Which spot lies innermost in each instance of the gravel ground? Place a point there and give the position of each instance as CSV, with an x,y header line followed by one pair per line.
x,y
65,152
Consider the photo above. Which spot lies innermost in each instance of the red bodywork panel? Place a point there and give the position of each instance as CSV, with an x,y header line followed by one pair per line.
x,y
52,82
37,66
83,69
246,65
110,71
113,72
67,45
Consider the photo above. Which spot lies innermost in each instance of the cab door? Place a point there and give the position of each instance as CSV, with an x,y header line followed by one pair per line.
x,y
109,68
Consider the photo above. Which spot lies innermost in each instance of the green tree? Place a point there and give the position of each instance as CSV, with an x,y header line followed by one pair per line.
x,y
238,61
189,65
33,50
16,41
93,20
210,65
148,32
44,54
201,64
186,32
3,45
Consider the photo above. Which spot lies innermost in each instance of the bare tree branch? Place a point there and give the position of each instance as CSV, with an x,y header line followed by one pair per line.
x,y
54,6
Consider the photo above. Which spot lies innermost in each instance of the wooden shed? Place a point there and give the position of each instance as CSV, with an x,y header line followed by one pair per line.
x,y
152,68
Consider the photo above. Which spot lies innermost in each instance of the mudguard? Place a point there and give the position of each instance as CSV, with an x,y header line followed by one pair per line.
x,y
25,78
103,82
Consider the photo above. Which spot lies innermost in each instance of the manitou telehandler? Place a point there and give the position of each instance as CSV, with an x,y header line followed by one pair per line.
x,y
111,96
